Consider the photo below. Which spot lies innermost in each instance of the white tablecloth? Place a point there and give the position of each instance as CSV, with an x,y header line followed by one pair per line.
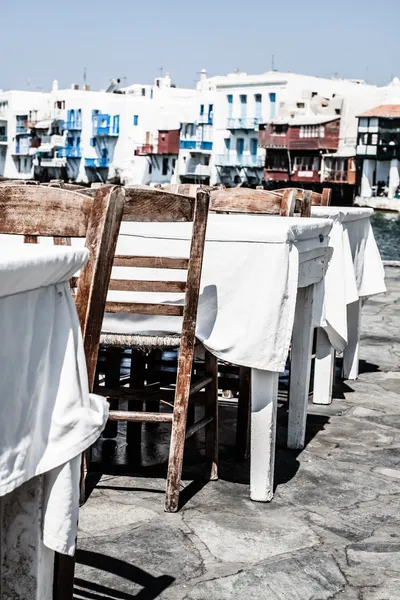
x,y
47,416
354,271
248,289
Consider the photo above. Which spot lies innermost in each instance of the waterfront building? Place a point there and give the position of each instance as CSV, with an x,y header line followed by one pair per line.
x,y
378,151
91,136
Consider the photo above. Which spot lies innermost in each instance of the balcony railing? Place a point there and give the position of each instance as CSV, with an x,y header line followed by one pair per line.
x,y
69,152
195,145
53,162
53,141
205,120
244,123
23,150
73,125
187,144
22,129
144,150
3,139
198,170
232,159
97,163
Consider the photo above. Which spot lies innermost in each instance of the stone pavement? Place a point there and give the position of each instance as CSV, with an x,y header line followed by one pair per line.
x,y
332,530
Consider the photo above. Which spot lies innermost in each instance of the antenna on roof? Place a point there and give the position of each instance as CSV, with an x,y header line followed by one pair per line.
x,y
161,69
273,62
84,75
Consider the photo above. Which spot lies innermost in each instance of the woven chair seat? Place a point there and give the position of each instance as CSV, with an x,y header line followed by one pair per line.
x,y
140,342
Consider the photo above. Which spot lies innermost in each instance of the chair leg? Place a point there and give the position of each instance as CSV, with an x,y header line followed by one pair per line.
x,y
211,430
178,433
63,580
243,413
112,380
134,430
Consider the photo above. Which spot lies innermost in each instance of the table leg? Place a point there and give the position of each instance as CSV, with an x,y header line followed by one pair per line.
x,y
350,354
300,367
26,565
324,369
264,399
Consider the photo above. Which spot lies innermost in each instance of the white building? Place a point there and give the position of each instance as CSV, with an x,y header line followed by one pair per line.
x,y
88,136
242,102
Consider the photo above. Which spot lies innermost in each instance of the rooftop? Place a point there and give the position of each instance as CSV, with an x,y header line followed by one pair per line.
x,y
331,531
386,111
305,120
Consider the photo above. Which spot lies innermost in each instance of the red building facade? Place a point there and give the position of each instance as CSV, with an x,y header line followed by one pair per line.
x,y
294,147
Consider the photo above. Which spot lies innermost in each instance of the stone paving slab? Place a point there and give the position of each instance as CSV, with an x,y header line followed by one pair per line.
x,y
332,531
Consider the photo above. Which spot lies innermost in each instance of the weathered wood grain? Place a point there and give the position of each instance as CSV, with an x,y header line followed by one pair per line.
x,y
143,205
140,308
326,197
39,210
186,351
243,200
151,262
138,285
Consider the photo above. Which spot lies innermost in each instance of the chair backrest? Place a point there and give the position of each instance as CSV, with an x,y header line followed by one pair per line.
x,y
38,211
244,200
285,203
154,205
317,199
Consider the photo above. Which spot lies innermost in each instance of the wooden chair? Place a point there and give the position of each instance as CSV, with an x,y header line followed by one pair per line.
x,y
243,200
323,199
154,205
34,211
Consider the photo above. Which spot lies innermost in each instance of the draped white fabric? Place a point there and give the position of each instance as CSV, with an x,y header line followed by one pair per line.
x,y
47,415
355,269
248,288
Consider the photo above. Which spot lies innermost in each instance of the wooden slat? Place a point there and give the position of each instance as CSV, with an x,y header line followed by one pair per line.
x,y
139,417
139,308
326,197
31,239
243,200
197,426
151,262
132,285
199,385
62,241
43,211
288,203
149,204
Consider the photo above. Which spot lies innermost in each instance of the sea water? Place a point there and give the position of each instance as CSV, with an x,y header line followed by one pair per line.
x,y
386,226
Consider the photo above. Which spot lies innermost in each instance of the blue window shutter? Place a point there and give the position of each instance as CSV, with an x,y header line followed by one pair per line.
x,y
201,109
239,145
228,143
230,98
272,109
135,120
93,142
253,146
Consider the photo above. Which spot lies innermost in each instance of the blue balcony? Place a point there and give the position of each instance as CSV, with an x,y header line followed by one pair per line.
x,y
69,152
97,163
72,125
205,120
103,127
233,159
243,123
195,145
187,144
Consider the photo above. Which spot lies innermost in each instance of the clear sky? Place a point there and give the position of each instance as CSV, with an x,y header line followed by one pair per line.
x,y
50,39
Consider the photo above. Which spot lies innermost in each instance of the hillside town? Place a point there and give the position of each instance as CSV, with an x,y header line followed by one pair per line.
x,y
271,130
